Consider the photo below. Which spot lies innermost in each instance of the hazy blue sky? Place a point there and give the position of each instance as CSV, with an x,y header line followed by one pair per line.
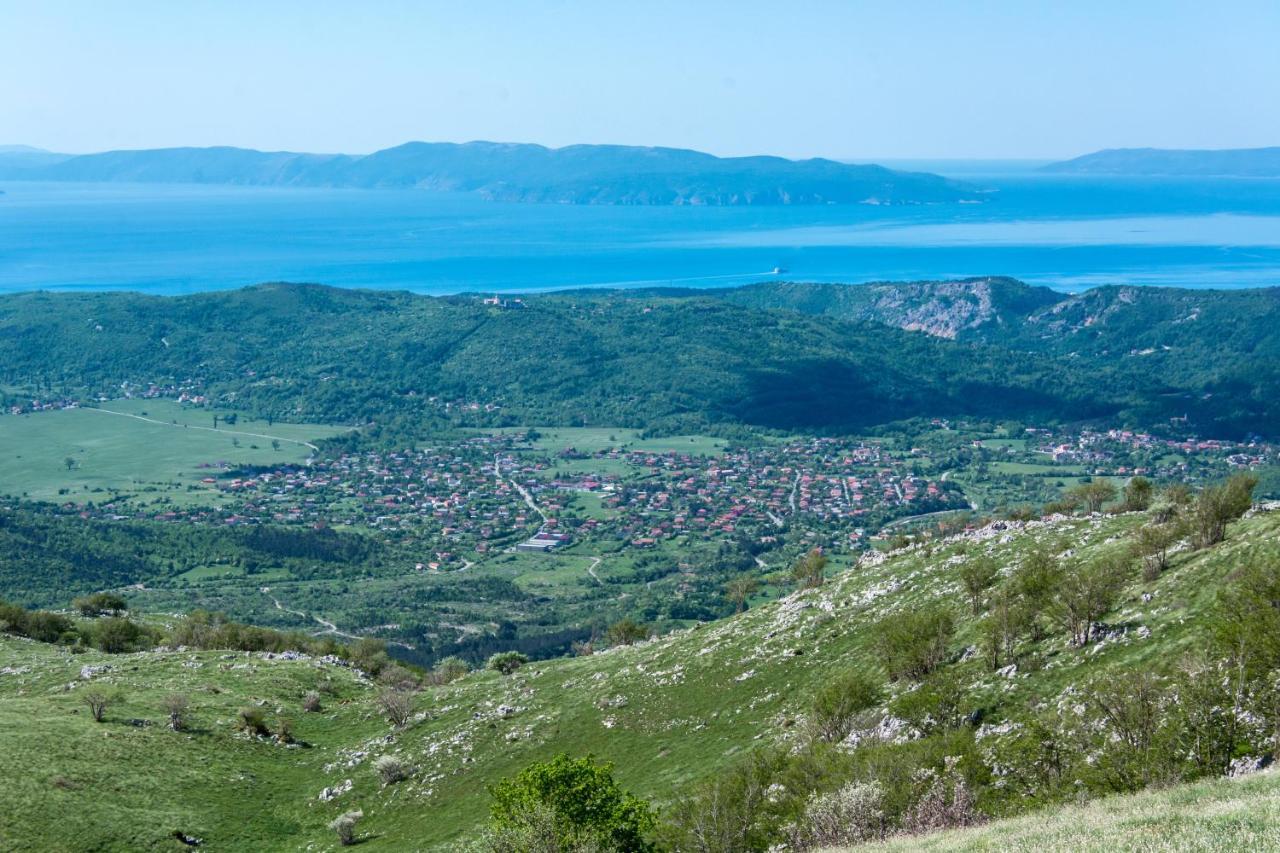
x,y
898,78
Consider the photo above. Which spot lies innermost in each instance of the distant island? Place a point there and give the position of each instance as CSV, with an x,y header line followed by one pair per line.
x,y
577,174
1237,162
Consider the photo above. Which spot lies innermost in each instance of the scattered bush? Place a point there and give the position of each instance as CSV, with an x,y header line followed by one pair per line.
x,y
1093,494
204,630
1151,544
311,702
39,625
449,669
838,704
345,827
282,731
252,720
114,634
1084,595
369,655
934,706
739,590
808,570
1138,493
912,644
98,702
396,706
1219,505
947,803
853,814
396,676
626,632
584,801
506,662
391,769
977,574
176,706
100,603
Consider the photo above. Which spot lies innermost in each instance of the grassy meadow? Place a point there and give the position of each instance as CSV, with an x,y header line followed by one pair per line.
x,y
145,449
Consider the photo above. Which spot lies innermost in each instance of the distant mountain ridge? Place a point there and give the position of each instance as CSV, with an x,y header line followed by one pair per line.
x,y
1236,162
577,174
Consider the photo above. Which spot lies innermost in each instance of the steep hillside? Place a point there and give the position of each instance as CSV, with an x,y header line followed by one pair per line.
x,y
577,174
669,712
974,308
1224,344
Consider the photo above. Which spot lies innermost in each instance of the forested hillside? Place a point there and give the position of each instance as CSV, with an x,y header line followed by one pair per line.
x,y
798,357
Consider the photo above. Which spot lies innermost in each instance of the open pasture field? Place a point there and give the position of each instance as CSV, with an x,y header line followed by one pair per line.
x,y
144,448
592,439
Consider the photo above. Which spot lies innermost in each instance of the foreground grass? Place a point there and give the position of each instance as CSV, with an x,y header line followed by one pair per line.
x,y
1219,815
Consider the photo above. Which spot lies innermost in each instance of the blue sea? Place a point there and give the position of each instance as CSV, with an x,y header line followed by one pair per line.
x,y
1066,232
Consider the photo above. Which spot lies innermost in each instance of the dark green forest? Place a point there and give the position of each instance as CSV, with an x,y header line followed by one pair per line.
x,y
666,361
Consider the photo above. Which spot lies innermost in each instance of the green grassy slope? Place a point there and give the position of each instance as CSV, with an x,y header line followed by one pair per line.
x,y
138,447
1217,815
666,712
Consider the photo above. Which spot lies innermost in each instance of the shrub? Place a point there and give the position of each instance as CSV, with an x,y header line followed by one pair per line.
x,y
114,635
369,655
506,662
176,706
1131,739
540,830
100,603
1094,494
735,810
1084,595
936,705
252,720
396,706
311,702
391,769
626,632
1137,494
98,703
584,800
739,590
838,704
283,730
399,677
39,625
1151,544
449,669
345,827
912,644
853,814
1246,621
808,570
1219,505
948,802
1033,585
977,575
